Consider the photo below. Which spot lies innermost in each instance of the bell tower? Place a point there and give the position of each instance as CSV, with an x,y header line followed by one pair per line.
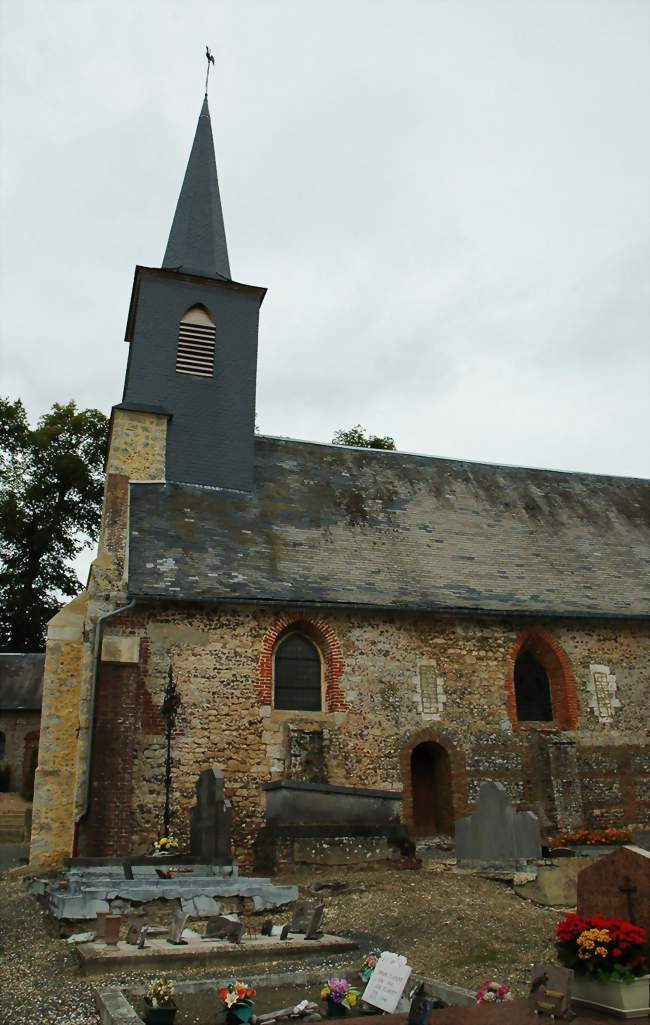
x,y
192,332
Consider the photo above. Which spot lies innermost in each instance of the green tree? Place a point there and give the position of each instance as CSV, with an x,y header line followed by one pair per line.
x,y
359,437
51,483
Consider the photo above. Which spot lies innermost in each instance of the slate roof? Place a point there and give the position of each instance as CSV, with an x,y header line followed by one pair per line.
x,y
359,527
21,681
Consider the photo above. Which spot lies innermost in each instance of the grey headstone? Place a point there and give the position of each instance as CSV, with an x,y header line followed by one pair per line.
x,y
133,934
497,834
179,919
302,913
284,932
222,928
211,820
312,931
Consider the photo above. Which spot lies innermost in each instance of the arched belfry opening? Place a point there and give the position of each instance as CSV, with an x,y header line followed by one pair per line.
x,y
532,689
431,790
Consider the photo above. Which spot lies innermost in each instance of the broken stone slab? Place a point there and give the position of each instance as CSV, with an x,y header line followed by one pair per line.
x,y
81,937
200,906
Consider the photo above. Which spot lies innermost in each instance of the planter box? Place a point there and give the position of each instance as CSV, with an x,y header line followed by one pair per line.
x,y
618,998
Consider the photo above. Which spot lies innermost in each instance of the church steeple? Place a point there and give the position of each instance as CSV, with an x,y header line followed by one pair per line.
x,y
197,240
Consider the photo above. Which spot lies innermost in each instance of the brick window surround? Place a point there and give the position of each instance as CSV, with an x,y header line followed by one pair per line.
x,y
458,773
322,635
564,697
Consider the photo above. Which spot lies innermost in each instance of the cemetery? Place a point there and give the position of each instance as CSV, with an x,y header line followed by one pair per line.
x,y
411,944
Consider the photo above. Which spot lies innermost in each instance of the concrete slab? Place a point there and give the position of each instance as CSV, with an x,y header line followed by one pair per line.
x,y
97,957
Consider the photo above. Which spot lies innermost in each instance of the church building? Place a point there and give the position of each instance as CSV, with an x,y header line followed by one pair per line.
x,y
339,616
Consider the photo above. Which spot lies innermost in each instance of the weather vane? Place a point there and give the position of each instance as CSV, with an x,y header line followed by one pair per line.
x,y
210,60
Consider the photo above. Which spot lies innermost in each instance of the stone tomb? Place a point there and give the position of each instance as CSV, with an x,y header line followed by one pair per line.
x,y
496,835
617,886
211,820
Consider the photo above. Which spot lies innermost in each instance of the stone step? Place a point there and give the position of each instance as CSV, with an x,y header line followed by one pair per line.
x,y
12,835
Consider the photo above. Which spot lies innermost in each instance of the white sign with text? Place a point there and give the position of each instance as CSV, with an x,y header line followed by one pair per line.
x,y
387,982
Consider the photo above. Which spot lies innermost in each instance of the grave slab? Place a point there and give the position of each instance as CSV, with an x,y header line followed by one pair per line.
x,y
95,957
617,886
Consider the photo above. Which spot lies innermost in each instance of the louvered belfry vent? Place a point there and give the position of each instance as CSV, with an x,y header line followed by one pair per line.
x,y
195,354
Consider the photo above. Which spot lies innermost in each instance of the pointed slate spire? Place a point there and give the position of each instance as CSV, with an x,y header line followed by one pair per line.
x,y
197,241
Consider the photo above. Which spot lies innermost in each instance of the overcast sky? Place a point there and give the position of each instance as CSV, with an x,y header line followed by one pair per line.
x,y
447,201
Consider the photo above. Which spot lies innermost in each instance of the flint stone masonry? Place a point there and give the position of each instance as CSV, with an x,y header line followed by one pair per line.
x,y
496,834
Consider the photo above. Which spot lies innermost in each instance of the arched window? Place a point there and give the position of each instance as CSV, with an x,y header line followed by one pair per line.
x,y
297,674
532,689
196,335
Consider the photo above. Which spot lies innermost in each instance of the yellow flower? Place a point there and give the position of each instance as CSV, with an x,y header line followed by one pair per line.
x,y
602,951
325,992
352,998
584,955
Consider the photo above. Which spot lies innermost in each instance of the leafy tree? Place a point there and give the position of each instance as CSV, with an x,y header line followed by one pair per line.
x,y
51,483
359,437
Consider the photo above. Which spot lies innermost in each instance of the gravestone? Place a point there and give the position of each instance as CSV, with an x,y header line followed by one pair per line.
x,y
133,934
496,834
302,912
617,885
312,932
267,927
222,928
179,918
387,982
284,932
211,819
550,991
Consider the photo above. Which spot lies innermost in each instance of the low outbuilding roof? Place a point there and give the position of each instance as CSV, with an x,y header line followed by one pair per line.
x,y
21,681
360,527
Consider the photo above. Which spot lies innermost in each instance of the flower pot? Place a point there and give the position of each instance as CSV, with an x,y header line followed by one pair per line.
x,y
335,1010
159,1015
622,999
240,1013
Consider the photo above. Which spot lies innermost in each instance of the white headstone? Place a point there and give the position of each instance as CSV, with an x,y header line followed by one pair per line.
x,y
387,982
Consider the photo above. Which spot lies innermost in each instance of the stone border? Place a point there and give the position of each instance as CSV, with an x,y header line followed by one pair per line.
x,y
114,1008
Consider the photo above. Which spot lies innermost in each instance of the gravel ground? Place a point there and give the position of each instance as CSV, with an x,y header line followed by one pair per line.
x,y
452,927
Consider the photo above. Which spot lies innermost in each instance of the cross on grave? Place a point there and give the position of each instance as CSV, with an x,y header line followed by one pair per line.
x,y
628,889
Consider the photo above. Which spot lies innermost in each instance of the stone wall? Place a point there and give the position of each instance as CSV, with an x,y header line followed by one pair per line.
x,y
373,716
20,729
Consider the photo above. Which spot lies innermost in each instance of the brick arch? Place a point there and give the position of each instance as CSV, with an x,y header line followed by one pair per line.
x,y
564,694
323,636
428,735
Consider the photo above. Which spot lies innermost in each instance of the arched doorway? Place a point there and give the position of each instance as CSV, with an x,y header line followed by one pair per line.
x,y
431,790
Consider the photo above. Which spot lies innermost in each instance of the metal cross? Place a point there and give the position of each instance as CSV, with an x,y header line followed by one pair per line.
x,y
628,889
210,60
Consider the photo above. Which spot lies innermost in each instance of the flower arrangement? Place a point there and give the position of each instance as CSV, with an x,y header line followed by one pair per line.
x,y
492,992
340,992
160,993
368,966
236,998
166,845
593,837
607,948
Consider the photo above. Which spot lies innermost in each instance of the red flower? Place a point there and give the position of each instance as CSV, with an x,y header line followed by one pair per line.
x,y
617,952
